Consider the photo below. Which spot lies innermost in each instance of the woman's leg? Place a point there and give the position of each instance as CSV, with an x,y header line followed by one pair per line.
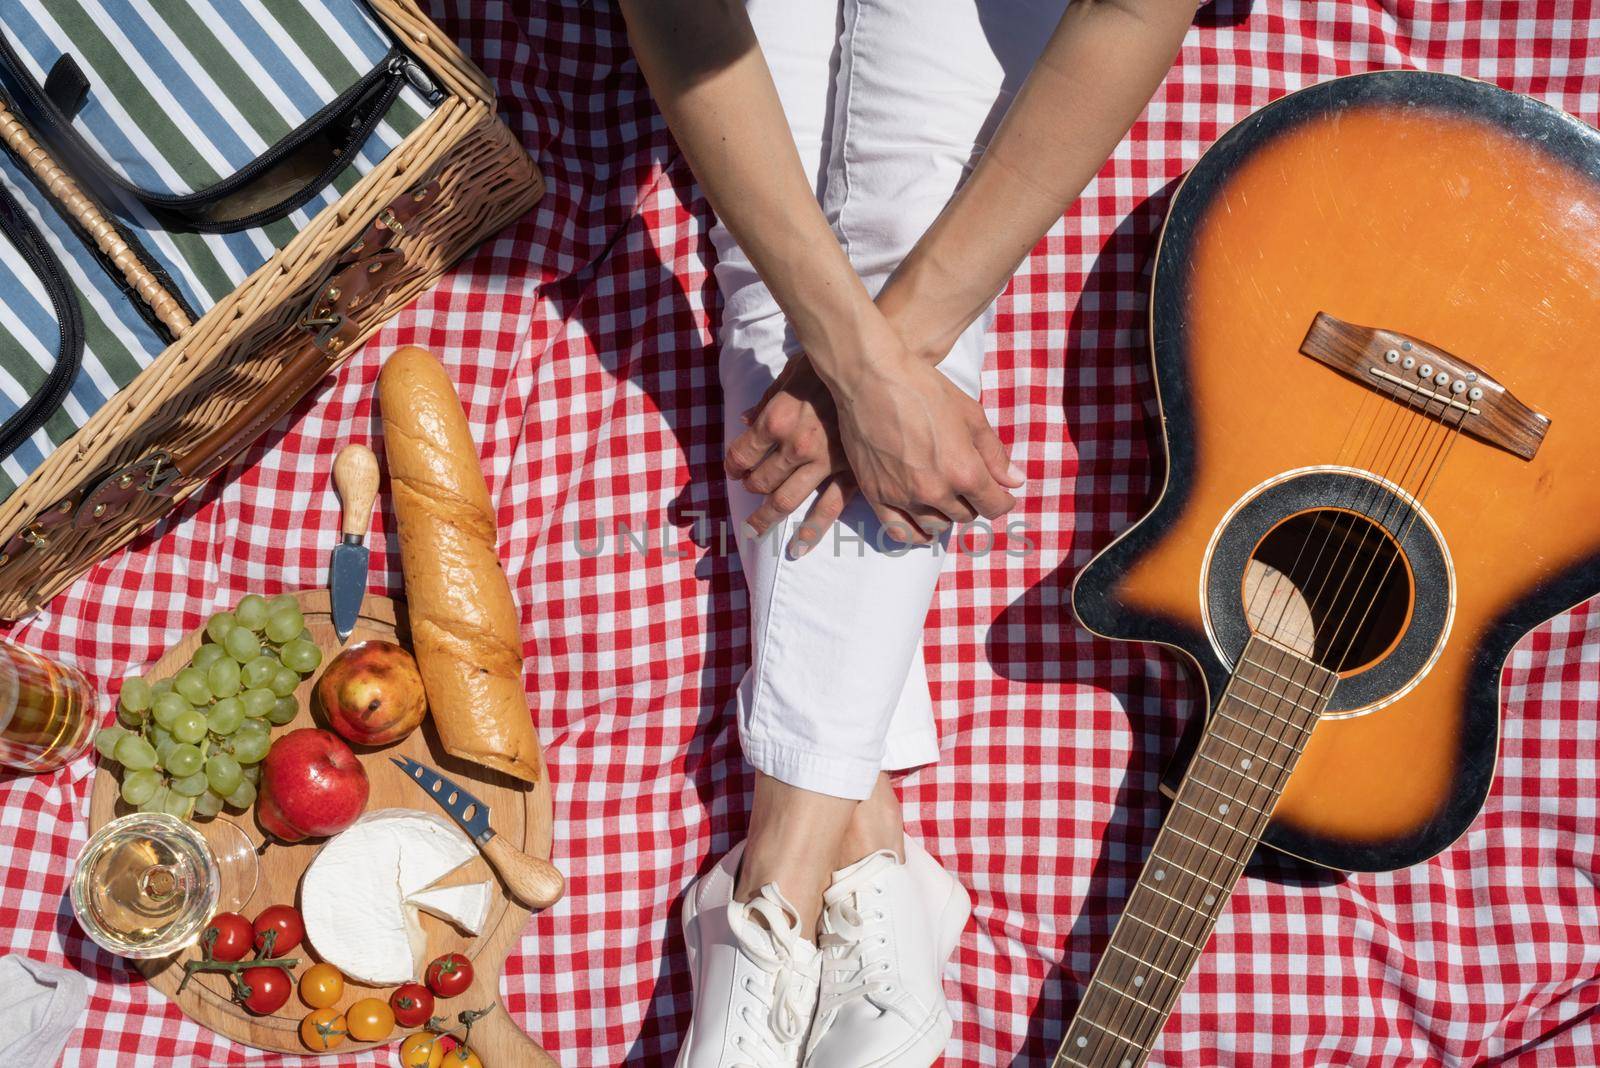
x,y
750,922
835,635
918,90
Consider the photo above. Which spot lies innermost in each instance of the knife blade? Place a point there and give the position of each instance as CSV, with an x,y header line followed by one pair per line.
x,y
470,814
533,881
355,476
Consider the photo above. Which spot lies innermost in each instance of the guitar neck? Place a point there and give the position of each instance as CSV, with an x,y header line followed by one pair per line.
x,y
1251,743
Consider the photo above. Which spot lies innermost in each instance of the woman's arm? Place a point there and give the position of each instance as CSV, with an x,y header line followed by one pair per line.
x,y
708,76
919,447
1099,70
1101,66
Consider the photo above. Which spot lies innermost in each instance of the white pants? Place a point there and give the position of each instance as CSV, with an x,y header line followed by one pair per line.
x,y
889,102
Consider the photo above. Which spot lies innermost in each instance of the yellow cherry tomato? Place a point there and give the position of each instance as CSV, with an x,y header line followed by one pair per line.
x,y
321,986
370,1019
323,1029
462,1057
421,1050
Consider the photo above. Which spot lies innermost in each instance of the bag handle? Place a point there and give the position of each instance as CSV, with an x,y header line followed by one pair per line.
x,y
107,237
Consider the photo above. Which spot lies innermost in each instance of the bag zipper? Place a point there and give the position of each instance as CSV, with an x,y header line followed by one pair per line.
x,y
422,81
24,236
394,77
394,67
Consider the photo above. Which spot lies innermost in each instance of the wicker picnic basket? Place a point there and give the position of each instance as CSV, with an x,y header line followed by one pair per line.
x,y
248,359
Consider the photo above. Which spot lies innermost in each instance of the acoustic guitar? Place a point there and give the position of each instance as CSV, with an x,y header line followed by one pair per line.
x,y
1374,327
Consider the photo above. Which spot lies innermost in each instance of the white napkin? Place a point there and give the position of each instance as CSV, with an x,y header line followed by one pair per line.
x,y
39,1006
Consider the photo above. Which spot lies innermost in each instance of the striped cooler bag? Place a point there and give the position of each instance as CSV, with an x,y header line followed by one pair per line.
x,y
204,206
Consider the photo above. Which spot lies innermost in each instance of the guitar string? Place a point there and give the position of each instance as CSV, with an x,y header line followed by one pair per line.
x,y
1447,447
1064,1055
1206,855
1422,449
1339,459
1299,580
1393,507
1193,944
1395,419
1362,498
1367,395
1198,861
1390,523
1204,868
1189,938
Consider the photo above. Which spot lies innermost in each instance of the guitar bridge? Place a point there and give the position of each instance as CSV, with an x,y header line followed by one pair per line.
x,y
1453,391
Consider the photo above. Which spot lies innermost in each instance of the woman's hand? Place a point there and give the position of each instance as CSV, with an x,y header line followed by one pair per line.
x,y
791,449
919,448
931,456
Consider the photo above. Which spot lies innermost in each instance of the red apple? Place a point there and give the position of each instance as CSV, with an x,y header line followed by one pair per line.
x,y
312,786
372,693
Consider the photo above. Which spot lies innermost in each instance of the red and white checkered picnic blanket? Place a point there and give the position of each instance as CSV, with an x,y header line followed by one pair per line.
x,y
581,340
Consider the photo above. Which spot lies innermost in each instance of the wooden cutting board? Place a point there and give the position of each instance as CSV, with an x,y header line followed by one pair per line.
x,y
520,813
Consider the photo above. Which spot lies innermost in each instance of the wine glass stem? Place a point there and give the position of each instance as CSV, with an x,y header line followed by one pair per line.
x,y
159,882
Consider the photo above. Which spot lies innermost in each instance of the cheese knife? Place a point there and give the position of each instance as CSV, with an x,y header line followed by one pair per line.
x,y
534,882
355,476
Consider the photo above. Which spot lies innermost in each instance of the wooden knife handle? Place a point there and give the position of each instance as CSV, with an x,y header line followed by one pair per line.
x,y
534,882
355,476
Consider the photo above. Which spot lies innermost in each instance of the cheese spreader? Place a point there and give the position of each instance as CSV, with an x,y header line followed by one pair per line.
x,y
355,476
534,882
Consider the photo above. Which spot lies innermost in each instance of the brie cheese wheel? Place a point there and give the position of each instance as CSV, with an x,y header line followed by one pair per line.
x,y
465,906
354,893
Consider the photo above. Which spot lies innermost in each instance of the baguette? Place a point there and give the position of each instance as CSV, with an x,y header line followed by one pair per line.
x,y
464,624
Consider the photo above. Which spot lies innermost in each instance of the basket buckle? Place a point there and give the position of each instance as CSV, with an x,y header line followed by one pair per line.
x,y
362,274
387,218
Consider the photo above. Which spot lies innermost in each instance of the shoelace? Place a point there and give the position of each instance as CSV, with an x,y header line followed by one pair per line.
x,y
786,1000
855,960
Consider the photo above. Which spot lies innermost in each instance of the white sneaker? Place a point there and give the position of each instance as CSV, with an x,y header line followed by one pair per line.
x,y
755,978
887,930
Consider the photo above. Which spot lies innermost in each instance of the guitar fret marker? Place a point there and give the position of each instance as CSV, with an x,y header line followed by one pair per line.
x,y
1218,790
1129,997
1159,874
1223,808
1138,980
1246,762
1210,899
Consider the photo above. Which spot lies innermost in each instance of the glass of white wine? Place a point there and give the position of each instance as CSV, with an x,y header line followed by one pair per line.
x,y
147,883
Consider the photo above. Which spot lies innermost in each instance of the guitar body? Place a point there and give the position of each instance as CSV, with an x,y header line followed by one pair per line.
x,y
1447,211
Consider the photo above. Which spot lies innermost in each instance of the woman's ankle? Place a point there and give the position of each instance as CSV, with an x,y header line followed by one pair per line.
x,y
875,825
795,837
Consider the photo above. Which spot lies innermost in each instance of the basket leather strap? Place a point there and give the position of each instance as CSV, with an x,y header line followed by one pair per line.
x,y
331,325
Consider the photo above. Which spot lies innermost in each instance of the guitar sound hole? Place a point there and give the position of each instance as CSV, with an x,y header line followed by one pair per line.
x,y
1331,585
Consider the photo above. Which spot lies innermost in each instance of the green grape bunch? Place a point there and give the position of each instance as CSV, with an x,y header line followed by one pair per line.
x,y
193,744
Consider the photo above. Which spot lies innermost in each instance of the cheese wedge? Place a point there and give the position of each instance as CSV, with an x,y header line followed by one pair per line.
x,y
465,906
354,893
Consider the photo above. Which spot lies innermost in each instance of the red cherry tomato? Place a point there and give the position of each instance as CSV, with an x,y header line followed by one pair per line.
x,y
233,936
269,989
449,975
412,1004
284,919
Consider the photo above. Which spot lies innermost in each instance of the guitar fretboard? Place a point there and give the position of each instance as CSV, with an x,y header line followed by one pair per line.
x,y
1250,745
